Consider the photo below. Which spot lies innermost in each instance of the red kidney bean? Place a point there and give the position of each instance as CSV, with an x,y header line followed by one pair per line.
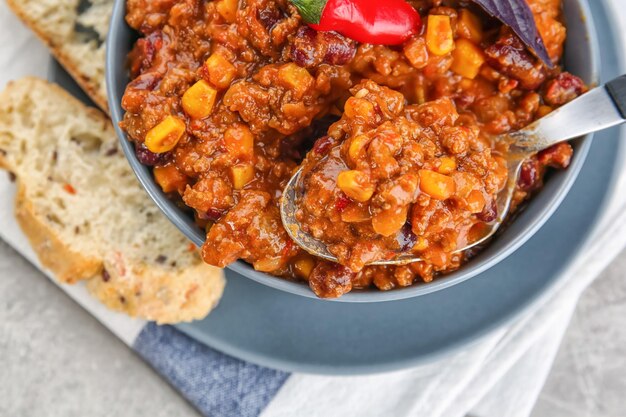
x,y
311,48
148,158
529,175
142,55
339,50
563,89
509,56
269,17
557,156
211,214
489,213
323,145
406,238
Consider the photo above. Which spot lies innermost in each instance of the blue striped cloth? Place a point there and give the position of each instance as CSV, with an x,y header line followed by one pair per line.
x,y
218,385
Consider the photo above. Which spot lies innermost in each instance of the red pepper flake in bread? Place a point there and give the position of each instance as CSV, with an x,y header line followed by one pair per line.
x,y
69,189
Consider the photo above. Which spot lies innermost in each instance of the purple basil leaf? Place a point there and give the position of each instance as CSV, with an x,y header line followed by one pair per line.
x,y
517,15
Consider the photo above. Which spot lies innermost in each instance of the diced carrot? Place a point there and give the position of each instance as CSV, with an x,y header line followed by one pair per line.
x,y
467,59
239,142
170,178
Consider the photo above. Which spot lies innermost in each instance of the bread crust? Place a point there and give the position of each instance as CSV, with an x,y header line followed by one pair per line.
x,y
67,265
66,61
159,295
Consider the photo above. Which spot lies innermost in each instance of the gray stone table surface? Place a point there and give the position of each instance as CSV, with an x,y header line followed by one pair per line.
x,y
58,361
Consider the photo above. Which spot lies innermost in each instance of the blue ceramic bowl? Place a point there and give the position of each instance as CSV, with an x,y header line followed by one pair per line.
x,y
581,58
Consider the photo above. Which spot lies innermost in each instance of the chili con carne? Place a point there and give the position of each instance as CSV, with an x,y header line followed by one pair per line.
x,y
227,97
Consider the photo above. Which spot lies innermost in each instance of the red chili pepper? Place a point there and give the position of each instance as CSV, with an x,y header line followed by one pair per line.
x,y
386,22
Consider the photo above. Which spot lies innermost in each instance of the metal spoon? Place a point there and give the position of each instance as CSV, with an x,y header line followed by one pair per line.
x,y
598,109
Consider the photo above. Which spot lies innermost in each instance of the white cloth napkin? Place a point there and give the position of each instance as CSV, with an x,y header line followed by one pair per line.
x,y
500,376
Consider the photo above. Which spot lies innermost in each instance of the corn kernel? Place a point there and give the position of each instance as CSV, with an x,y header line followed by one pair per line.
x,y
357,145
420,94
477,232
436,185
465,183
304,266
295,78
228,9
388,222
199,99
164,136
467,59
468,26
241,175
221,71
356,185
170,178
467,84
447,165
475,202
269,264
421,244
355,213
358,107
544,110
239,142
439,37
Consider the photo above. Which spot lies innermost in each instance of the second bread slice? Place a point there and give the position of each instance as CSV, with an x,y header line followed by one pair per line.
x,y
75,31
86,215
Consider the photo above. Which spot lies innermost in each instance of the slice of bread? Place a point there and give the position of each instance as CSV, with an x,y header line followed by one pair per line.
x,y
75,31
87,216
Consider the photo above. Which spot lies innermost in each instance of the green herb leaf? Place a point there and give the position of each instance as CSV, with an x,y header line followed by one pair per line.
x,y
310,10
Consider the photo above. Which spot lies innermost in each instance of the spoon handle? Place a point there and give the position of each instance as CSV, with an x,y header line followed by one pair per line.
x,y
599,109
617,90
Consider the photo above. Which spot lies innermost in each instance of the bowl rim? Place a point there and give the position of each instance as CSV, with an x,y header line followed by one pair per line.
x,y
185,224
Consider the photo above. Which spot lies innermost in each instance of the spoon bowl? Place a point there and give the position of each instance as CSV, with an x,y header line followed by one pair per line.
x,y
599,109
